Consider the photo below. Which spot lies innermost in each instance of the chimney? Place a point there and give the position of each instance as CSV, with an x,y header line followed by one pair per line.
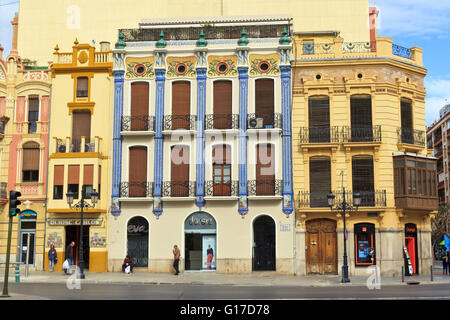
x,y
373,15
104,46
15,24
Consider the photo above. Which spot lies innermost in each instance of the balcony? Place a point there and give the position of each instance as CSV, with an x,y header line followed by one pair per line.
x,y
361,134
64,146
176,122
319,135
264,121
129,190
32,126
264,187
318,199
138,124
221,121
178,189
411,137
227,189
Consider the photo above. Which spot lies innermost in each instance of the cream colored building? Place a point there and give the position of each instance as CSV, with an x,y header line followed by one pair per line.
x,y
47,23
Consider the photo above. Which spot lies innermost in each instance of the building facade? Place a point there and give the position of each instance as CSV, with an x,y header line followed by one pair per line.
x,y
359,126
80,154
24,116
202,145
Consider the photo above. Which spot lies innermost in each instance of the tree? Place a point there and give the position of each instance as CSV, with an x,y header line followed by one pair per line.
x,y
439,226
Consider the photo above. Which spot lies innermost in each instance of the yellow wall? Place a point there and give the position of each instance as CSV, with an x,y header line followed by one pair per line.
x,y
99,20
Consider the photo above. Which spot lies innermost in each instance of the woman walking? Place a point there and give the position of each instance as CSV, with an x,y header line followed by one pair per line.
x,y
52,258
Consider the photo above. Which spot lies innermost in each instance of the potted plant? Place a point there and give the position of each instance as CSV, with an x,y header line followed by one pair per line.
x,y
4,119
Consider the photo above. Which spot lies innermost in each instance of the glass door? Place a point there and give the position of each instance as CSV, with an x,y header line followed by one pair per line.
x,y
27,244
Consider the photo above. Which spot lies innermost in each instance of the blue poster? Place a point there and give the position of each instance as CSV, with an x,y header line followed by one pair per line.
x,y
447,242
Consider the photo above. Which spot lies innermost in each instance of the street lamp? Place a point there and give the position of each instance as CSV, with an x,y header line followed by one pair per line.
x,y
81,205
344,206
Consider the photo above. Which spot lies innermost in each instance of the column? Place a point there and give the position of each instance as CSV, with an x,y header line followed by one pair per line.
x,y
287,138
243,106
200,137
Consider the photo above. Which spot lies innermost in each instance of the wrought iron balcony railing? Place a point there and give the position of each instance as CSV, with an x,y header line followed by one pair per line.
x,y
179,189
229,189
32,126
411,136
221,121
142,189
138,123
269,120
185,122
362,134
401,51
319,134
318,199
264,187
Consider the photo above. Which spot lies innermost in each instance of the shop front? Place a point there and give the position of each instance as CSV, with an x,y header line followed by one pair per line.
x,y
364,244
410,249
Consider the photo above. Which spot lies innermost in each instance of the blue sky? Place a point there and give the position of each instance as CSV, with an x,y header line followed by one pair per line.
x,y
421,23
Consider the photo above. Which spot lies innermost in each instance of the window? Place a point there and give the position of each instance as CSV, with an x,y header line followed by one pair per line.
x,y
30,164
363,180
265,170
222,104
179,174
33,113
264,101
221,170
319,119
139,106
319,181
81,127
364,244
58,182
181,105
361,118
407,122
74,180
82,87
137,178
414,177
88,180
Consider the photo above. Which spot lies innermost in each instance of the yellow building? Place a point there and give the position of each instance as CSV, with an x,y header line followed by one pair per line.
x,y
359,125
24,116
61,21
80,147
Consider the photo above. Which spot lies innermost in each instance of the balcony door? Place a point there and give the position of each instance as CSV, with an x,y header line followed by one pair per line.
x,y
181,105
137,178
319,119
407,122
363,181
81,127
265,101
319,181
139,106
265,170
179,173
361,118
221,170
222,104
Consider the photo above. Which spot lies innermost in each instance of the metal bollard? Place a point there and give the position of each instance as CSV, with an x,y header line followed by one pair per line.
x,y
403,274
17,273
431,273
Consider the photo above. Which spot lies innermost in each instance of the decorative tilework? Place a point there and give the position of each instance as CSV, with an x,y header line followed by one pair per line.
x,y
188,62
256,62
214,62
133,65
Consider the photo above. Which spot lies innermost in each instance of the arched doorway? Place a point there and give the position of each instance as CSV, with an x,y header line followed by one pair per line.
x,y
200,242
264,258
137,236
321,246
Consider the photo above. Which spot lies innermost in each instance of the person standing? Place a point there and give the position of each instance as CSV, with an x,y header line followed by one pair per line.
x,y
69,255
176,259
209,256
52,257
445,263
448,262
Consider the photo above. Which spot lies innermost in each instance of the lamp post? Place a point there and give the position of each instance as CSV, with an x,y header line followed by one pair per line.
x,y
81,205
344,206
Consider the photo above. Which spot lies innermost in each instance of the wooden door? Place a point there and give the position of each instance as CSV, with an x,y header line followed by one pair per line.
x,y
265,170
139,106
179,173
181,105
321,247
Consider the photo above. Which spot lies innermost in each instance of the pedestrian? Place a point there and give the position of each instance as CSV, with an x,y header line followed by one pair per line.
x,y
209,256
448,262
52,257
176,259
128,262
69,255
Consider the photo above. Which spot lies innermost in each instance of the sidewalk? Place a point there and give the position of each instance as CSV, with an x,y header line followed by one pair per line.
x,y
209,278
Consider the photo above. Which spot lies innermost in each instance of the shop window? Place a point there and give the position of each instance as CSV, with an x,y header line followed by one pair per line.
x,y
364,244
82,87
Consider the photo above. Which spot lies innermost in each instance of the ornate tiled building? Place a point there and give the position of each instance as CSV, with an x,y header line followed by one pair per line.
x,y
202,146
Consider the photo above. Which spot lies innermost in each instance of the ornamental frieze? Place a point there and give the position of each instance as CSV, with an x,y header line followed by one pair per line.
x,y
140,68
181,67
222,66
261,65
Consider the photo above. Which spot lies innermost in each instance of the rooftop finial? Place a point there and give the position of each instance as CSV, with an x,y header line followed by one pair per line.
x,y
120,44
285,40
202,42
161,43
243,41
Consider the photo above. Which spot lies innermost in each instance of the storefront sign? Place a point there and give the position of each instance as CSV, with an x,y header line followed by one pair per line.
x,y
75,222
200,220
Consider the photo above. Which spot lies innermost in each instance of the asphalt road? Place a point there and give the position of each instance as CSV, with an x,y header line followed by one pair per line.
x,y
226,292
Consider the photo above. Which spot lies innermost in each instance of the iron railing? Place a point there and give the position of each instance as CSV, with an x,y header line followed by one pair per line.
x,y
319,199
138,123
230,188
221,121
314,199
310,48
264,187
174,122
179,189
32,126
359,47
401,51
270,120
411,136
319,134
142,189
74,146
362,134
210,32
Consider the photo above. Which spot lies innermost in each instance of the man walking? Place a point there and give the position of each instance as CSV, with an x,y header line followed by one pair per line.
x,y
69,255
176,259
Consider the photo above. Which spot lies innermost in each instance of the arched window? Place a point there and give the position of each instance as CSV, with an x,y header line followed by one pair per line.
x,y
30,162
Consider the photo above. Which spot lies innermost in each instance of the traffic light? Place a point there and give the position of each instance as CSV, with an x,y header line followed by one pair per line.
x,y
13,203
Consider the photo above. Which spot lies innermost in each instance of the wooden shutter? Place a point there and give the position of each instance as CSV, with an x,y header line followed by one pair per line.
x,y
406,112
74,174
222,104
81,126
362,173
31,152
180,171
264,100
137,172
88,177
319,181
181,104
265,170
139,106
58,176
361,111
319,112
221,154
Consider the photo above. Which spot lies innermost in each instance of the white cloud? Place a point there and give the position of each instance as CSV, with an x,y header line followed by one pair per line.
x,y
426,18
438,95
